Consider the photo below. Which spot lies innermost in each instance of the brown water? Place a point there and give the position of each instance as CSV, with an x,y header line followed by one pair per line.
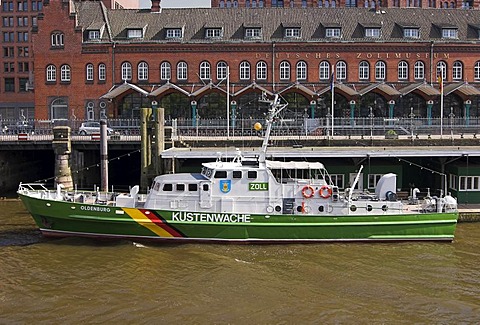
x,y
73,281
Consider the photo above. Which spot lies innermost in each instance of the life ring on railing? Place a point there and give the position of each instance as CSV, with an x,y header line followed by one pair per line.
x,y
308,192
325,192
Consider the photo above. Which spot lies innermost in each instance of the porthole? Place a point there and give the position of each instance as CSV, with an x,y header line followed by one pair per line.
x,y
369,208
353,208
299,208
278,208
384,207
321,208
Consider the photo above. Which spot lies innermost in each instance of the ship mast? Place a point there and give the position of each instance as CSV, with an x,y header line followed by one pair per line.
x,y
275,108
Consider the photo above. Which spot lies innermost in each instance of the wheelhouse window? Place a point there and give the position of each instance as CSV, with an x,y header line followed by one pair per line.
x,y
220,174
252,174
237,174
167,187
213,33
180,187
192,187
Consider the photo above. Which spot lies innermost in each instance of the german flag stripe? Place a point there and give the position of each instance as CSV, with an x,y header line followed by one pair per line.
x,y
153,222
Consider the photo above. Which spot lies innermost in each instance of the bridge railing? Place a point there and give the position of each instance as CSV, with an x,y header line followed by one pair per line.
x,y
365,126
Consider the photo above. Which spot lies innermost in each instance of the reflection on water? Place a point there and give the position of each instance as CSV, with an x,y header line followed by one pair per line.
x,y
80,280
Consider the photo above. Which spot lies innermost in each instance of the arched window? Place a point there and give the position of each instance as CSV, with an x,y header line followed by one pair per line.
x,y
126,71
442,70
51,73
59,109
341,70
261,70
402,70
284,70
324,70
244,70
477,70
380,70
419,70
205,70
221,70
56,39
165,71
142,72
457,70
182,70
364,70
301,70
65,75
89,72
102,72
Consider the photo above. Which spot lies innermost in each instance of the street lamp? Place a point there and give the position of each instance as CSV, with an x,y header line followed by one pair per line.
x,y
412,115
370,115
451,117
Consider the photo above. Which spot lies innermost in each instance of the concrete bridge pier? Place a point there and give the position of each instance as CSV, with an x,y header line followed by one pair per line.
x,y
62,147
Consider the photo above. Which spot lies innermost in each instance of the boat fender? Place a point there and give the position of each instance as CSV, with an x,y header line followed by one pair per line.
x,y
308,192
325,192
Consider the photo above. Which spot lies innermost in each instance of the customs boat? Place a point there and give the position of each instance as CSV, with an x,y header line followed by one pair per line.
x,y
244,200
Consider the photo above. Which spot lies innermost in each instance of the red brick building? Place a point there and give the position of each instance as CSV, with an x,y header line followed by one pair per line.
x,y
92,61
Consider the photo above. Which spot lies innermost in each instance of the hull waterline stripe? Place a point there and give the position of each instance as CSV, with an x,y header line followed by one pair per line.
x,y
150,221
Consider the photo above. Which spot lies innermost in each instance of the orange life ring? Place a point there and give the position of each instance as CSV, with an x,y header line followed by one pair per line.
x,y
325,192
308,192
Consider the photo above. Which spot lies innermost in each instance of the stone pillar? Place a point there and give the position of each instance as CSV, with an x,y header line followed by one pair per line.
x,y
62,147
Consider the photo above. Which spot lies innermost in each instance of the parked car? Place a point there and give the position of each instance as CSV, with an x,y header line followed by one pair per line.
x,y
92,128
22,126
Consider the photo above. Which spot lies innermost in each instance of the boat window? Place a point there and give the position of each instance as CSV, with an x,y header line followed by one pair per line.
x,y
237,174
156,187
167,187
252,174
180,187
192,187
205,187
221,174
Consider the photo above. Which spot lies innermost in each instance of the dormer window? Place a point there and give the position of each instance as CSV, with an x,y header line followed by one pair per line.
x,y
333,32
135,33
174,33
411,32
93,34
372,32
213,33
292,32
449,33
253,33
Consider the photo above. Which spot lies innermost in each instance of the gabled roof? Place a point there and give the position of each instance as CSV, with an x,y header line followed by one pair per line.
x,y
119,90
383,87
422,87
462,87
165,87
253,85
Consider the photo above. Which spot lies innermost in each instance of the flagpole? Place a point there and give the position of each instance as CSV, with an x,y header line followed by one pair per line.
x,y
441,106
332,86
228,102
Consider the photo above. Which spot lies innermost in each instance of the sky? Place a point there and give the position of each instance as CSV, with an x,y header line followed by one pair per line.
x,y
177,3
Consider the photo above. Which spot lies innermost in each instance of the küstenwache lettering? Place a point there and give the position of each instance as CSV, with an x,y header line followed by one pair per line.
x,y
209,217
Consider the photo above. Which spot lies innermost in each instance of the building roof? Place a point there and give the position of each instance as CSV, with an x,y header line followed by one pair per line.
x,y
272,21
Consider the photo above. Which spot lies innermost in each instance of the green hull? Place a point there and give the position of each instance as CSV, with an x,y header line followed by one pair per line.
x,y
59,218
